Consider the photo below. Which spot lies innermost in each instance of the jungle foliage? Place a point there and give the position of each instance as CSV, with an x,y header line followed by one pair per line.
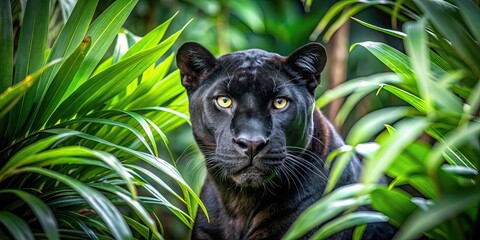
x,y
80,126
428,145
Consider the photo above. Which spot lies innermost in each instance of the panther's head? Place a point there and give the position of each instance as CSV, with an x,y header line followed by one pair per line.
x,y
251,111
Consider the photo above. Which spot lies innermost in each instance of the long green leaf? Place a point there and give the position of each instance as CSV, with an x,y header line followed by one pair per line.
x,y
471,14
394,203
10,97
442,210
146,127
416,102
416,46
354,85
76,151
156,179
348,221
6,58
134,205
59,84
137,134
455,138
71,35
30,58
6,45
38,146
103,32
407,132
149,40
344,17
334,202
445,17
146,85
110,82
156,162
102,206
390,32
374,122
16,226
42,211
141,229
338,167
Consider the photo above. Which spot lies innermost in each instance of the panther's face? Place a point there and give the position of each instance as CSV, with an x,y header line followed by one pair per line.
x,y
251,111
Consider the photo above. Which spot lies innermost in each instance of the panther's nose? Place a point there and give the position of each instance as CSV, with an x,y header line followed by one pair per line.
x,y
251,146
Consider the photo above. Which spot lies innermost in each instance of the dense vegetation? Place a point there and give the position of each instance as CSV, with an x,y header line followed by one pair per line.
x,y
79,129
86,107
429,145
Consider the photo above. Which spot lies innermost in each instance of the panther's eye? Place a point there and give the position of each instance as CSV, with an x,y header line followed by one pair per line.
x,y
224,101
280,103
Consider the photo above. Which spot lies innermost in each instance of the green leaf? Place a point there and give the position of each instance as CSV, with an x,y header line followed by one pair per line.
x,y
30,58
327,207
473,101
168,86
134,205
156,179
350,104
38,146
407,131
146,127
71,35
442,210
6,45
328,17
147,85
105,85
150,40
338,167
471,14
445,17
356,85
103,31
6,59
141,229
456,137
348,221
390,32
394,203
30,54
411,161
416,102
392,58
13,94
43,213
16,226
110,160
102,206
373,123
137,134
10,97
250,14
460,170
59,84
121,47
156,162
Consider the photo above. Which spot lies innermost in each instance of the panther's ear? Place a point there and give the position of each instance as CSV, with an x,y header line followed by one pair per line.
x,y
194,61
309,60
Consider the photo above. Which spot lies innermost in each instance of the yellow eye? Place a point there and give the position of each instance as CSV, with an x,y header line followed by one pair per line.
x,y
280,103
224,101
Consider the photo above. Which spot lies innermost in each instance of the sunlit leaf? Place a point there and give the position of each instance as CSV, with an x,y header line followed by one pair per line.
x,y
327,207
348,221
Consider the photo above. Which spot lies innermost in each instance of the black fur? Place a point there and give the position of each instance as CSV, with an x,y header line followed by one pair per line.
x,y
265,165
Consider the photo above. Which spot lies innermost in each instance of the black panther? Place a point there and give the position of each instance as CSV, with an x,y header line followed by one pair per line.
x,y
254,120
